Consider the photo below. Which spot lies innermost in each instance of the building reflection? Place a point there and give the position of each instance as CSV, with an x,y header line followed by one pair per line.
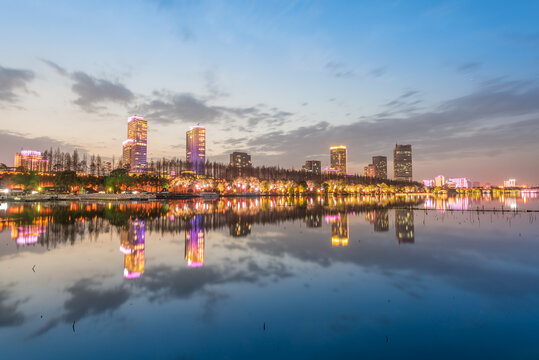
x,y
240,228
404,225
27,234
313,220
339,229
194,242
380,219
133,241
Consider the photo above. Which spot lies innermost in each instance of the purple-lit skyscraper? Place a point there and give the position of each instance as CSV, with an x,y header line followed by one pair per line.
x,y
196,148
134,150
194,242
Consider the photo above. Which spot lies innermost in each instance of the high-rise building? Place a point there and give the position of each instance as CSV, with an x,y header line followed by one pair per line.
x,y
196,148
338,159
369,171
240,160
133,244
380,165
313,166
31,160
402,162
194,242
134,155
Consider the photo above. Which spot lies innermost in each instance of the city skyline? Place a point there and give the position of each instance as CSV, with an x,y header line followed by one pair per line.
x,y
321,85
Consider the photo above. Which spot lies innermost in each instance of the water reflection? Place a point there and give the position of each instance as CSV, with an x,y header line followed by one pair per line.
x,y
404,226
259,252
339,229
380,219
133,242
194,242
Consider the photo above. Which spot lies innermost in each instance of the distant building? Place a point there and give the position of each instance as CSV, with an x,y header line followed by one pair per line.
x,y
194,242
369,171
196,148
509,183
458,183
428,183
31,160
107,168
338,159
380,165
313,166
439,181
402,162
240,160
134,151
404,225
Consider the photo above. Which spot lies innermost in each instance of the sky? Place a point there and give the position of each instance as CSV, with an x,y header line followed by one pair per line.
x,y
282,80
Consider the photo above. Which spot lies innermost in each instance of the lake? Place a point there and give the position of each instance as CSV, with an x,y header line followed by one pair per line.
x,y
271,277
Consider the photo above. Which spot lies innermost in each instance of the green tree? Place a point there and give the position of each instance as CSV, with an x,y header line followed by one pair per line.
x,y
29,180
117,179
66,179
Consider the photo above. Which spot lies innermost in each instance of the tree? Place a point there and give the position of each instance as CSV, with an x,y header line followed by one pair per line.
x,y
66,179
117,179
29,180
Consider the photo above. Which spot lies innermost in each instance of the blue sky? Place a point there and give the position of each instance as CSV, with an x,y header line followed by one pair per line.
x,y
280,79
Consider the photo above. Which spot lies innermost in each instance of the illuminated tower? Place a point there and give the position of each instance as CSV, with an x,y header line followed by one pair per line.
x,y
338,159
196,148
135,147
402,162
380,167
194,242
133,244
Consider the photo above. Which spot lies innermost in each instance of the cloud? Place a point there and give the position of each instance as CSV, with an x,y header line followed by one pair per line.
x,y
377,72
481,122
9,313
11,142
167,108
86,299
339,70
93,92
12,80
469,67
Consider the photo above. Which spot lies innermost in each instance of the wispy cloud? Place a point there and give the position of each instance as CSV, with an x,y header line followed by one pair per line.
x,y
339,70
12,80
93,92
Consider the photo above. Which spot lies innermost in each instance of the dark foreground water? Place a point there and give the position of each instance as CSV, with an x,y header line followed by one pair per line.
x,y
270,278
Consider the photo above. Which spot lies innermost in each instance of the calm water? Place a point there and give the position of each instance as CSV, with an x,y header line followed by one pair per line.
x,y
270,278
